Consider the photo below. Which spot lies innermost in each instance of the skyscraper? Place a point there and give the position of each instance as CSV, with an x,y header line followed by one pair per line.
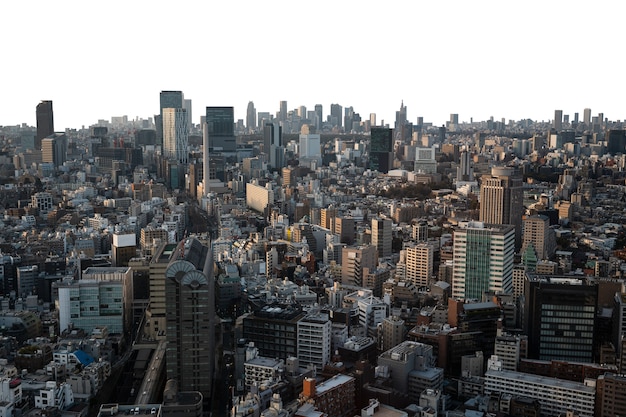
x,y
221,128
282,112
381,149
318,117
167,100
45,122
251,117
501,199
558,120
382,236
537,233
190,315
560,318
175,134
587,117
54,149
419,264
272,144
336,115
482,260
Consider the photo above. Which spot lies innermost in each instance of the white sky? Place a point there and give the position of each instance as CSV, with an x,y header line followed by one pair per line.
x,y
511,59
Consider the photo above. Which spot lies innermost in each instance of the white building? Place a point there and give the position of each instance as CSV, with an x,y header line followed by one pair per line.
x,y
314,339
258,197
419,264
556,396
60,396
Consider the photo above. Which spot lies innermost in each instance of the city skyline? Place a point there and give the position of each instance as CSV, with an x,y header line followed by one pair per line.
x,y
478,60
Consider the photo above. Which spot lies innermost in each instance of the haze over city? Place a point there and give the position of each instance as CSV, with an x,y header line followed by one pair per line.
x,y
476,59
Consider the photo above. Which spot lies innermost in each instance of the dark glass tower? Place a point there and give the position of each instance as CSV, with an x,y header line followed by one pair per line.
x,y
381,149
45,122
221,128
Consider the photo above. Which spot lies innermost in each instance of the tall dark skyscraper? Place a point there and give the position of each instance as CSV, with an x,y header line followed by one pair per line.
x,y
381,149
221,129
336,115
168,100
45,122
560,318
190,317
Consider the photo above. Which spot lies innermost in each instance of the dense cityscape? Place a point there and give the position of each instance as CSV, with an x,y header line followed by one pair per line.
x,y
312,263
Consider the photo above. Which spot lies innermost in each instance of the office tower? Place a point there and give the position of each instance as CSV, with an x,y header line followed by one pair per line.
x,y
400,117
327,217
354,260
314,335
464,171
221,129
348,119
560,318
45,122
273,329
175,134
251,117
319,117
482,259
382,235
258,197
167,100
381,149
372,119
411,368
557,397
419,231
616,141
310,148
336,115
54,149
425,161
103,297
611,395
123,249
454,119
272,144
282,112
206,160
501,199
587,117
558,120
190,316
419,264
619,328
537,232
345,228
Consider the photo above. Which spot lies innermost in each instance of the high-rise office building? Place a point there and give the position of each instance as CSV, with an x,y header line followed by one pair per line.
x,y
560,318
54,149
336,115
221,129
354,260
167,100
400,116
382,236
558,120
190,317
282,112
175,134
616,141
251,117
501,199
272,144
314,336
537,233
419,264
319,120
45,122
587,117
482,259
123,249
381,149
